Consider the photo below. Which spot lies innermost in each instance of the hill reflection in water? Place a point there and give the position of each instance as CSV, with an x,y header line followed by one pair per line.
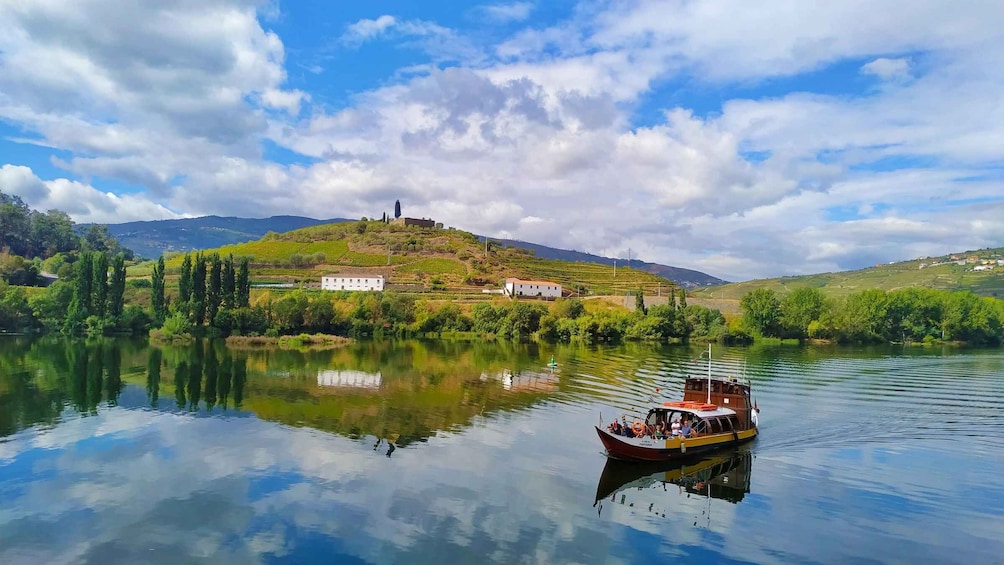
x,y
397,393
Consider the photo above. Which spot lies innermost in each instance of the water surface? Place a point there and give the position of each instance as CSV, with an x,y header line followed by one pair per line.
x,y
417,452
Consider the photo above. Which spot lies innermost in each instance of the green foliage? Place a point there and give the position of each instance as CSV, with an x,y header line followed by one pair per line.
x,y
17,270
762,311
214,292
176,325
199,290
799,309
99,284
116,290
185,280
244,284
639,302
157,297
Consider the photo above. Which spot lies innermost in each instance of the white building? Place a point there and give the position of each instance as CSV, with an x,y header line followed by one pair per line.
x,y
352,282
543,289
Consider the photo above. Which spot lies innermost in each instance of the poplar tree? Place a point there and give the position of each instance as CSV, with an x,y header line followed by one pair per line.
x,y
116,291
683,299
157,291
85,276
244,285
214,294
199,289
185,280
229,284
99,286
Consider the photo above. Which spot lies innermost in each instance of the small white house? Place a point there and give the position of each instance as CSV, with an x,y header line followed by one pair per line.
x,y
352,282
542,289
348,379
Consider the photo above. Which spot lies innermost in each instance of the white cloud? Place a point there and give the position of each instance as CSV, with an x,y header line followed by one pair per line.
x,y
364,29
512,12
82,202
888,69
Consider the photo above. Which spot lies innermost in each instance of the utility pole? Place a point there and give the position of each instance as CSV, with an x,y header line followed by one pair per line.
x,y
486,247
615,268
388,253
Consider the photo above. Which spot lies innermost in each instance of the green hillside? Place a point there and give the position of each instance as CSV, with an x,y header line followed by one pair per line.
x,y
943,273
443,263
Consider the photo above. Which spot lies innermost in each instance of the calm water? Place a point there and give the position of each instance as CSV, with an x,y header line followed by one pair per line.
x,y
115,452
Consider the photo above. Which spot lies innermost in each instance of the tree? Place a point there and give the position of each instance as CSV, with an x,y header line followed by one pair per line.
x,y
863,317
762,311
157,291
52,233
799,309
639,302
214,294
99,286
185,280
199,289
244,284
116,291
683,299
397,209
15,225
229,284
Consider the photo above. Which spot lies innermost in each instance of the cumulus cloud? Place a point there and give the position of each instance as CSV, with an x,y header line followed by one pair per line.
x,y
81,201
537,134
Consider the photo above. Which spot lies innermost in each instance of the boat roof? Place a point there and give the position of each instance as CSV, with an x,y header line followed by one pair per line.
x,y
698,409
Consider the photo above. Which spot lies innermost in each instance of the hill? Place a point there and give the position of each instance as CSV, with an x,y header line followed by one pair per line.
x,y
434,261
978,271
686,278
153,238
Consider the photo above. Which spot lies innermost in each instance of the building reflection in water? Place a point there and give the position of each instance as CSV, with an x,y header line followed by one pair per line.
x,y
524,380
653,486
349,379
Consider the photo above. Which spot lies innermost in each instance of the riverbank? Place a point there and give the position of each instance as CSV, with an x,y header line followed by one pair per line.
x,y
301,341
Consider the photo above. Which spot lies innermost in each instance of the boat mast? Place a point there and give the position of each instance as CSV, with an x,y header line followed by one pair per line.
x,y
709,373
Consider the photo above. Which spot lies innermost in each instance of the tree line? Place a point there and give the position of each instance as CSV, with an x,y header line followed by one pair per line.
x,y
214,297
874,316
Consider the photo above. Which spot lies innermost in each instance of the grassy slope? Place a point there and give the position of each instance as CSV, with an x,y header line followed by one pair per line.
x,y
418,258
886,277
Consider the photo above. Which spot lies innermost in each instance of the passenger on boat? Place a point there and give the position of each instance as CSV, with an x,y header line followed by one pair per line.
x,y
685,429
675,428
615,427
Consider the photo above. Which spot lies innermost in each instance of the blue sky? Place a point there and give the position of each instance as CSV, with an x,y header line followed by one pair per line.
x,y
740,140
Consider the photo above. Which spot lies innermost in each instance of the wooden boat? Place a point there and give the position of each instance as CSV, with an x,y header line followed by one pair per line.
x,y
720,412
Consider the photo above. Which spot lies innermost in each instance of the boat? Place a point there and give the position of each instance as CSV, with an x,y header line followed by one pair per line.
x,y
720,414
723,476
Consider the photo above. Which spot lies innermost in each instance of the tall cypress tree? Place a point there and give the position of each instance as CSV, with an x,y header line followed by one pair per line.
x,y
244,285
99,285
229,284
185,280
199,289
85,276
116,292
157,292
683,298
214,294
397,208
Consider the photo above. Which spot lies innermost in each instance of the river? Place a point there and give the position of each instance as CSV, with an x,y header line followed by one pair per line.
x,y
415,452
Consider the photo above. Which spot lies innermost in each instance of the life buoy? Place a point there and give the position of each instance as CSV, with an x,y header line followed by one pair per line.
x,y
638,428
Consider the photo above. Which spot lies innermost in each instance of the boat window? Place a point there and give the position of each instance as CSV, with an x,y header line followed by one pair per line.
x,y
734,421
716,426
726,424
701,427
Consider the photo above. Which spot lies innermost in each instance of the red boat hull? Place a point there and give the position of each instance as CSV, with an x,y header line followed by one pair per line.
x,y
620,447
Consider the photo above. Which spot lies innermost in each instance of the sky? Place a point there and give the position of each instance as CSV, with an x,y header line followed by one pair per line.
x,y
741,139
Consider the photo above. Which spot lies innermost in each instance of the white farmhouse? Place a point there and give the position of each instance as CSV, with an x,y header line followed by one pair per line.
x,y
352,282
543,289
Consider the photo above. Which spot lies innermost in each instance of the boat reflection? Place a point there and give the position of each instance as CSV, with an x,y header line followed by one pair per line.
x,y
523,380
725,476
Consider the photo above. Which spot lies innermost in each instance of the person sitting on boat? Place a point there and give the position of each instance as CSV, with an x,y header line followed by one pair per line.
x,y
615,427
685,429
674,429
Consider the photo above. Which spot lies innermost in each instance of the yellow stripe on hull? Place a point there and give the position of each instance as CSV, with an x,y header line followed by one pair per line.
x,y
674,443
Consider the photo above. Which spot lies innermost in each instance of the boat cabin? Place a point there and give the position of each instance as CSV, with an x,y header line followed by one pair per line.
x,y
705,419
730,394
